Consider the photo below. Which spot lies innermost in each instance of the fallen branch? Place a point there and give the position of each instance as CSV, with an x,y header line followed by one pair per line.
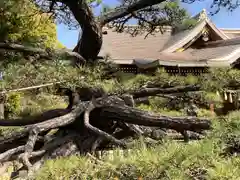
x,y
145,118
13,139
47,125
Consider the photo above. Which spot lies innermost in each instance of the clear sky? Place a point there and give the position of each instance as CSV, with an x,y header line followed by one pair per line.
x,y
224,19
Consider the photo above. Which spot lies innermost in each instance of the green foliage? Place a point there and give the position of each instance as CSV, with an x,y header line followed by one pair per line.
x,y
24,105
205,113
24,75
35,104
105,8
189,23
135,82
13,103
229,125
163,79
162,110
177,12
159,106
5,131
22,22
220,79
18,75
178,16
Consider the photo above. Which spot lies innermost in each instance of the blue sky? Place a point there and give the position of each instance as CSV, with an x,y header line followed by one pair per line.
x,y
224,19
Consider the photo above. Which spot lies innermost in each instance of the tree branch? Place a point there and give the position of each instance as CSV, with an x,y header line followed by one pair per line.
x,y
42,52
125,10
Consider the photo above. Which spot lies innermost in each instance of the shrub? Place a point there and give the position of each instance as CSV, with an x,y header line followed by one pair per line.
x,y
171,160
12,104
22,22
35,104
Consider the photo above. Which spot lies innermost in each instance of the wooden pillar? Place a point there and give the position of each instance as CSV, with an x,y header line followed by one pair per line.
x,y
212,108
2,101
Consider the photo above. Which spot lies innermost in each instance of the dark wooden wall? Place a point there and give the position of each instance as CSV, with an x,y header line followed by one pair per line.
x,y
183,71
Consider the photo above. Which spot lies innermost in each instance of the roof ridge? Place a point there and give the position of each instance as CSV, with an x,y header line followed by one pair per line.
x,y
173,46
230,29
110,26
201,15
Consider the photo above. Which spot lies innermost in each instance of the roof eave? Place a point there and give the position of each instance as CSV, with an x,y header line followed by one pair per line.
x,y
203,22
184,40
216,30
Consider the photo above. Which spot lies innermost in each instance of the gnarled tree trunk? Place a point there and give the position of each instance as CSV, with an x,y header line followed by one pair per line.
x,y
91,40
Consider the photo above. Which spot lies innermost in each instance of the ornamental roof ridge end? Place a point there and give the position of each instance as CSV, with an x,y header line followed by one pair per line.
x,y
203,15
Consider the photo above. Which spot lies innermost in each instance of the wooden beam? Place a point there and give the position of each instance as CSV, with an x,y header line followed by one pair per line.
x,y
2,101
29,88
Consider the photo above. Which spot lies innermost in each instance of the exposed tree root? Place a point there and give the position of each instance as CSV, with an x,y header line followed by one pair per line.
x,y
109,137
90,126
8,154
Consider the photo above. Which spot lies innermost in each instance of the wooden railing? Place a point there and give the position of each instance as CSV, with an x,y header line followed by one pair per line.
x,y
5,92
29,88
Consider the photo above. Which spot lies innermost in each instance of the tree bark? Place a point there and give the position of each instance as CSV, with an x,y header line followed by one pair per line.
x,y
145,118
91,40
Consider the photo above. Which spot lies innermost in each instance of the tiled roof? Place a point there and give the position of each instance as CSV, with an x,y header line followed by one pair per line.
x,y
181,38
214,56
125,46
160,49
229,42
231,32
213,52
